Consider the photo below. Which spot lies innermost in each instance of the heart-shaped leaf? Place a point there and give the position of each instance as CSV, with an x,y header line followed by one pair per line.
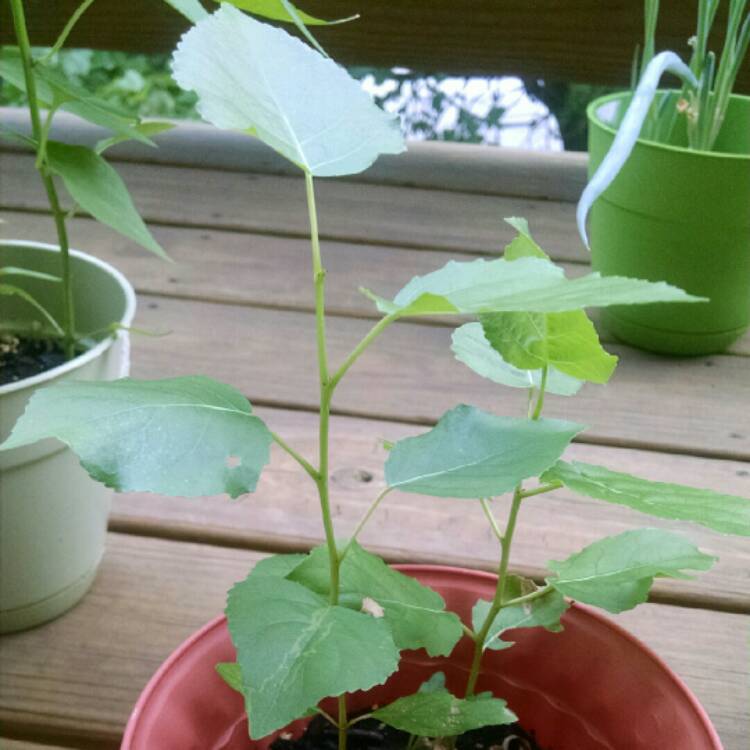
x,y
470,346
256,78
616,573
187,437
726,513
415,613
473,454
566,341
294,648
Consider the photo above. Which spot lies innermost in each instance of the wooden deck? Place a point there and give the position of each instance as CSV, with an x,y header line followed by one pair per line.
x,y
238,302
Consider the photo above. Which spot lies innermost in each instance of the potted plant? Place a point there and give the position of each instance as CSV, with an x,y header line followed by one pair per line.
x,y
336,633
677,209
65,315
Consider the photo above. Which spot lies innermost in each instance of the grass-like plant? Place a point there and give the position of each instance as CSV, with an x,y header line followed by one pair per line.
x,y
321,625
700,106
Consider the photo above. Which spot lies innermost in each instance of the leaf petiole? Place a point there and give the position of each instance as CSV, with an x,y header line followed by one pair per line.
x,y
306,465
551,487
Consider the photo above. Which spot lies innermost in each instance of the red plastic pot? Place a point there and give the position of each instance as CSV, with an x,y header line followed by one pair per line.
x,y
591,687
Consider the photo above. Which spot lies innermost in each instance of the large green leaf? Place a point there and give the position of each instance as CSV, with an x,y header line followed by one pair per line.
x,y
294,649
416,614
473,454
252,77
566,341
616,573
470,346
97,188
726,513
524,285
438,713
187,436
544,612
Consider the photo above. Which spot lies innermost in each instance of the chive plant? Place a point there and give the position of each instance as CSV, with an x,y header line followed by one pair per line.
x,y
307,627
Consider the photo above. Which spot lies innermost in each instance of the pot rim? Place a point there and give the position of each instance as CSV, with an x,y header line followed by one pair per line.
x,y
593,119
96,351
220,621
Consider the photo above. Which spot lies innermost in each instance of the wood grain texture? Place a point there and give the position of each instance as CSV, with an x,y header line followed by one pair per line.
x,y
370,213
75,680
274,273
409,374
443,166
581,40
283,513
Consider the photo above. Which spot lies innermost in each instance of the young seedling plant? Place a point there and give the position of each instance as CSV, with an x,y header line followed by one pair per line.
x,y
322,625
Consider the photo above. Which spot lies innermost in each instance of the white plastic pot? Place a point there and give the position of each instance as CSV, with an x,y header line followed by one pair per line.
x,y
53,517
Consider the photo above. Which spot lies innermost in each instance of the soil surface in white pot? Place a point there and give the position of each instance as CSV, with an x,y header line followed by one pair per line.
x,y
370,734
22,358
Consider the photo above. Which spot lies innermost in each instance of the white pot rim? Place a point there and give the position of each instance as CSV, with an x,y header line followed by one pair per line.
x,y
94,352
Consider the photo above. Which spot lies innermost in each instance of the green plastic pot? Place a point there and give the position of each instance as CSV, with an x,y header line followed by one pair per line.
x,y
53,517
680,216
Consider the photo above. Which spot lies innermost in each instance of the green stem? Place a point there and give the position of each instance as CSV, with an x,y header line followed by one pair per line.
x,y
306,465
365,518
497,602
375,331
484,502
528,597
540,400
24,46
326,392
551,487
72,21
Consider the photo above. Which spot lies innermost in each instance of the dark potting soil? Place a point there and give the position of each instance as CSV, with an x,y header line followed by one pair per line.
x,y
25,357
371,734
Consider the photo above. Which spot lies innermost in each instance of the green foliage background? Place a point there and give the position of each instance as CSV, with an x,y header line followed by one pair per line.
x,y
142,84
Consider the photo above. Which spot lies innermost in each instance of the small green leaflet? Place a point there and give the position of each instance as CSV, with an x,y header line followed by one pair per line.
x,y
524,245
524,285
728,514
434,683
616,573
276,10
294,649
566,341
191,9
283,10
256,78
97,188
28,273
438,713
278,566
470,346
231,673
473,454
185,437
544,612
147,129
11,290
415,613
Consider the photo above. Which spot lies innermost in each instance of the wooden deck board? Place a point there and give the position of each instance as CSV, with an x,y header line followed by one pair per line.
x,y
274,270
283,513
76,679
645,405
238,300
369,213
